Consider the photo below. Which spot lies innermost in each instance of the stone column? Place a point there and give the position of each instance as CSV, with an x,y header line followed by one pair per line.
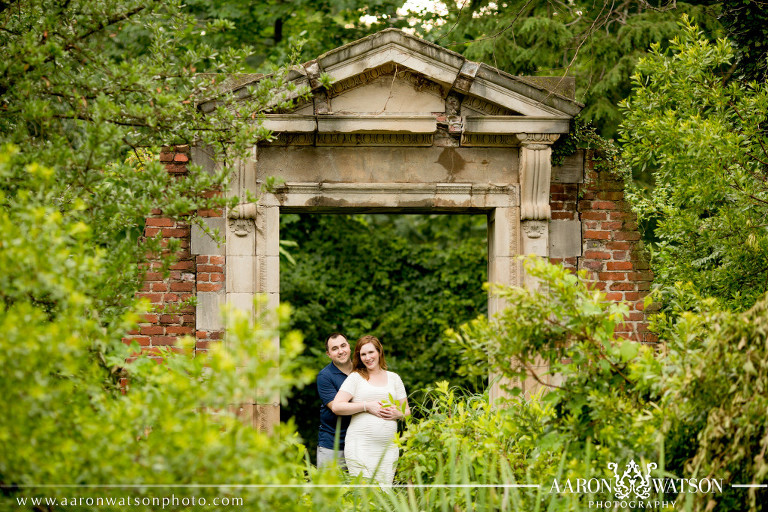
x,y
503,266
253,269
535,213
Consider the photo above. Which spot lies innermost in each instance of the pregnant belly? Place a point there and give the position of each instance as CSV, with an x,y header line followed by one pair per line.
x,y
372,427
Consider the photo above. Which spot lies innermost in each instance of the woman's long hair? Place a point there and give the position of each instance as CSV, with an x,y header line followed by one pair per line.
x,y
357,363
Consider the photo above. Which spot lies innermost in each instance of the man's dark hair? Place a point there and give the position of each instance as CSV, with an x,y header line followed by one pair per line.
x,y
333,335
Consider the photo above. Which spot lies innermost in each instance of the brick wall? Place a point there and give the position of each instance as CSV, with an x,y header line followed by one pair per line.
x,y
612,253
170,317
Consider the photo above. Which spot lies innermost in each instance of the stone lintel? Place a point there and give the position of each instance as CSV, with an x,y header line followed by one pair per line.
x,y
377,123
514,124
290,123
405,196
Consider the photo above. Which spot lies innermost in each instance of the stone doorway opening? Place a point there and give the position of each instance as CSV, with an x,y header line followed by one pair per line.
x,y
405,278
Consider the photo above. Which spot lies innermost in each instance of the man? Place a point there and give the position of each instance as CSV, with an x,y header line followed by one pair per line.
x,y
329,380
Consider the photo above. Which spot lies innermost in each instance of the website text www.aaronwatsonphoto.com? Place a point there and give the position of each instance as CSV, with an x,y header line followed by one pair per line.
x,y
129,501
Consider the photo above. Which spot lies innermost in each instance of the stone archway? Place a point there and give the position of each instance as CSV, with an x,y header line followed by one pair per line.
x,y
412,127
407,126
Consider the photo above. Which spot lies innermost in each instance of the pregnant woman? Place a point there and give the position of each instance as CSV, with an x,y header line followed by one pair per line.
x,y
376,399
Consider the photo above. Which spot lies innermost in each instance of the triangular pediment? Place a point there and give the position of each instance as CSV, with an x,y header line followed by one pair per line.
x,y
397,63
391,73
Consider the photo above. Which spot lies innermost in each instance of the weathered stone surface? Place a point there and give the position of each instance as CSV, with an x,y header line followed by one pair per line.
x,y
203,243
389,164
388,94
572,169
564,238
208,311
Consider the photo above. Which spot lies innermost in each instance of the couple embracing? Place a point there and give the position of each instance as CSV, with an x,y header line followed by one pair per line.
x,y
365,400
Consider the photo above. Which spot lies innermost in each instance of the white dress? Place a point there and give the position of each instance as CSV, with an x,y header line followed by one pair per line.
x,y
369,447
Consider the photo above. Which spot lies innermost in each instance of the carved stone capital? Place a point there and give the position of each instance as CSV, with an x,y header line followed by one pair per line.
x,y
534,229
537,140
535,173
242,219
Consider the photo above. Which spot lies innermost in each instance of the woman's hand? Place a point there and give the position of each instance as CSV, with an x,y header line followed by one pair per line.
x,y
374,408
391,413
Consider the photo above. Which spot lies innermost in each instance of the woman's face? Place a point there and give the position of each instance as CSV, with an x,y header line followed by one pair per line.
x,y
369,356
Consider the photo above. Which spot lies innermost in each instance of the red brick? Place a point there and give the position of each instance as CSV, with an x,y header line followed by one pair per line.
x,y
159,287
597,235
611,225
610,195
149,330
630,296
603,205
162,222
627,235
556,188
617,245
620,255
209,268
563,216
614,296
176,168
151,231
179,157
183,265
592,215
208,287
201,335
624,287
153,276
591,224
216,260
636,316
598,255
151,297
593,265
619,265
217,278
163,341
182,287
612,276
201,345
616,215
178,329
166,157
176,232
203,277
216,335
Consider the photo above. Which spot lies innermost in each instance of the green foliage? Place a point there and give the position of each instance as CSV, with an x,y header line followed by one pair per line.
x,y
405,278
269,30
597,43
569,327
746,25
615,399
493,442
703,141
65,421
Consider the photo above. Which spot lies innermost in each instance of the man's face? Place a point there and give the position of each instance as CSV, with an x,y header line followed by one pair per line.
x,y
338,350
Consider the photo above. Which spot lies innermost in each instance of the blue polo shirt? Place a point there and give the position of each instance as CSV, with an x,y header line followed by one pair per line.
x,y
329,380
